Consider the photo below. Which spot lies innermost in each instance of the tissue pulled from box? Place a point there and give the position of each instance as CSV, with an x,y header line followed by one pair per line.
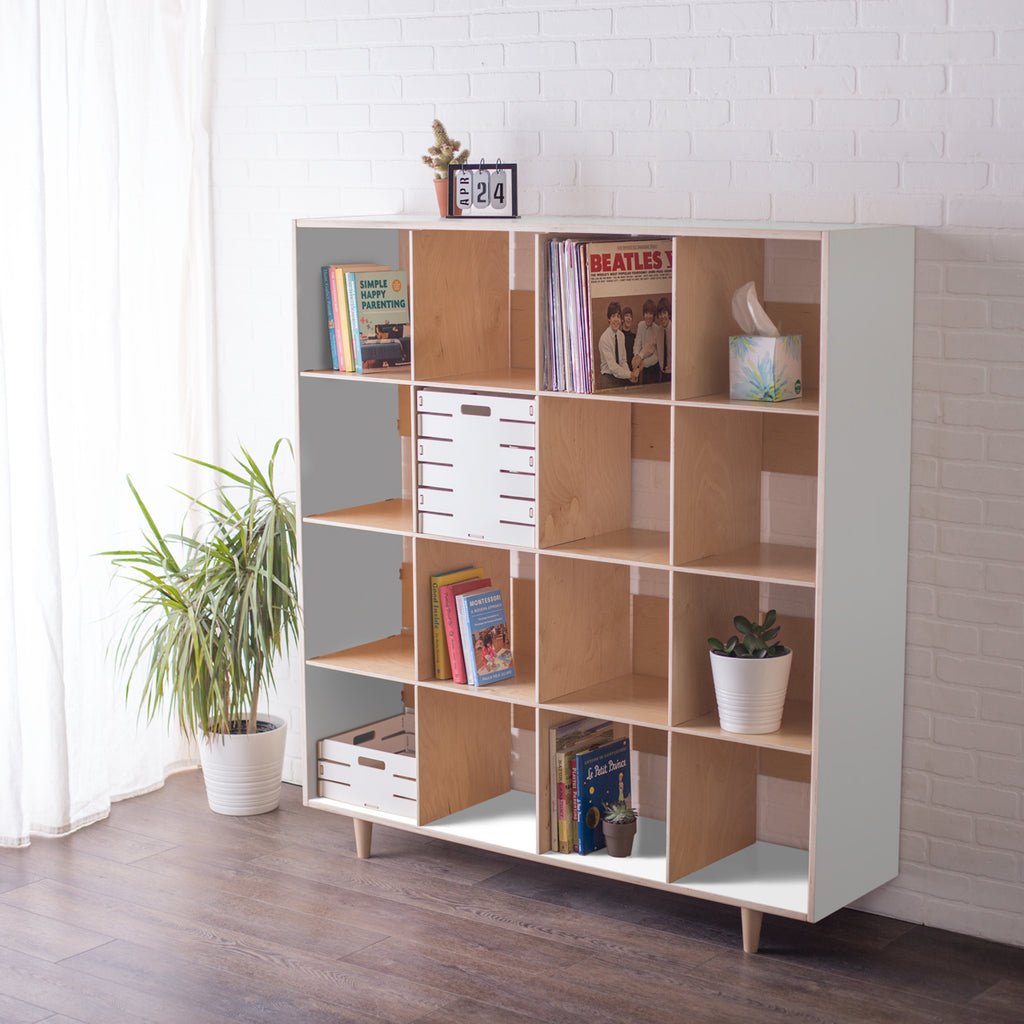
x,y
750,314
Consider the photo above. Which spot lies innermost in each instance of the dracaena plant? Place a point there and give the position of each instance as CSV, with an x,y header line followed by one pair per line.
x,y
214,608
755,640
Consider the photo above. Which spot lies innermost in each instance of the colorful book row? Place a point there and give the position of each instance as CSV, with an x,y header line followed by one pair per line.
x,y
367,316
589,770
472,639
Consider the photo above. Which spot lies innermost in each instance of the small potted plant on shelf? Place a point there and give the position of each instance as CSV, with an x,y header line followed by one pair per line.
x,y
751,675
212,611
618,822
439,157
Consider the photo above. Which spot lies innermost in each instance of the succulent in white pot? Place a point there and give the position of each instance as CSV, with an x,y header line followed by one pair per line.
x,y
751,676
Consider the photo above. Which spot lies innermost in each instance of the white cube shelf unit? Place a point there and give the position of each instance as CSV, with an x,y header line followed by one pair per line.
x,y
612,593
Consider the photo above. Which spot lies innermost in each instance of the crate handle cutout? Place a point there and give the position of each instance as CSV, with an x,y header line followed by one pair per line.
x,y
476,410
369,762
364,737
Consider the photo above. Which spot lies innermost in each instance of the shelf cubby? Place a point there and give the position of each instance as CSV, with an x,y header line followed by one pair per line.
x,y
704,606
358,477
648,771
720,854
435,555
706,274
585,482
316,249
719,521
602,648
343,701
465,751
469,328
374,636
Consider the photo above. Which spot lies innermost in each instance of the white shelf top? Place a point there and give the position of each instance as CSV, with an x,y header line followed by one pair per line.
x,y
584,225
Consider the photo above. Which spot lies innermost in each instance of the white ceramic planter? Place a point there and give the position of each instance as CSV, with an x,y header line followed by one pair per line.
x,y
243,772
751,692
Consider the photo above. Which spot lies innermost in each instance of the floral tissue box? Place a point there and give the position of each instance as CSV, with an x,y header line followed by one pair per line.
x,y
764,369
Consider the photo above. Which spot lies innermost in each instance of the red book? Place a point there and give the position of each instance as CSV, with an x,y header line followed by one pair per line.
x,y
450,623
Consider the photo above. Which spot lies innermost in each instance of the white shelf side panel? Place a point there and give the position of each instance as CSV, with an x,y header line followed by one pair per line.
x,y
863,504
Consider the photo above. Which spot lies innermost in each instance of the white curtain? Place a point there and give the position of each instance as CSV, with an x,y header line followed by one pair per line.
x,y
106,369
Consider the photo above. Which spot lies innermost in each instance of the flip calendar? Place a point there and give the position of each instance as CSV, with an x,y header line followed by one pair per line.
x,y
483,190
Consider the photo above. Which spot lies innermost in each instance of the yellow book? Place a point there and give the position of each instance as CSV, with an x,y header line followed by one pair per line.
x,y
442,660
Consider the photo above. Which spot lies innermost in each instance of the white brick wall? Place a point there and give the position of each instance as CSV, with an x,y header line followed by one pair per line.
x,y
903,111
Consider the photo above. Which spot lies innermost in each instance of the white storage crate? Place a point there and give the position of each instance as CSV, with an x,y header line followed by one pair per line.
x,y
476,466
373,766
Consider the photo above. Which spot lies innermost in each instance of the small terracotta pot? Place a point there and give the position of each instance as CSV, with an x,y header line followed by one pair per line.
x,y
618,837
441,188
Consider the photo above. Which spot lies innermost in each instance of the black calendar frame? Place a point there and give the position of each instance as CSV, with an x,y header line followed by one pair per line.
x,y
512,207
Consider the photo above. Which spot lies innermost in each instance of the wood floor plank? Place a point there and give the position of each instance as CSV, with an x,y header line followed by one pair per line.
x,y
469,1011
353,908
195,899
590,991
41,936
64,991
166,913
1006,996
114,843
763,989
262,991
580,931
14,1011
674,912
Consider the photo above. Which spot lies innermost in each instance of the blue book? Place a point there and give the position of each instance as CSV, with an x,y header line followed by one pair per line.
x,y
330,316
486,639
602,777
353,321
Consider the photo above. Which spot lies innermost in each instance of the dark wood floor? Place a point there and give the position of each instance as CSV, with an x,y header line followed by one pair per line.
x,y
169,913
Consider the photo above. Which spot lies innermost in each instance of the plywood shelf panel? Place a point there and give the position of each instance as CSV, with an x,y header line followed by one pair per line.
x,y
646,393
519,690
510,379
806,405
635,547
768,563
390,658
634,699
794,736
391,375
395,515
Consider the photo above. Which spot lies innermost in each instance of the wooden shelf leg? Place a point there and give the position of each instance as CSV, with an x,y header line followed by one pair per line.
x,y
364,829
751,929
